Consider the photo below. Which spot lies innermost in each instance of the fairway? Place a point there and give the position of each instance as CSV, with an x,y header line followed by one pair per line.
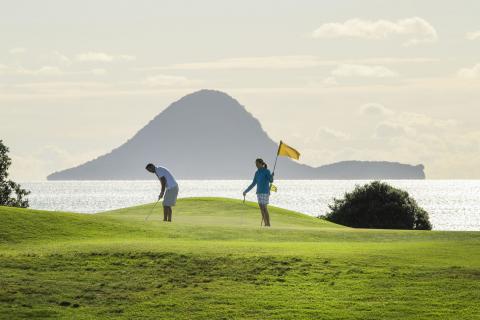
x,y
216,262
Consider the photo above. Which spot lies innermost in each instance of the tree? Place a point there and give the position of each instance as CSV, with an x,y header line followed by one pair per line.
x,y
11,193
378,205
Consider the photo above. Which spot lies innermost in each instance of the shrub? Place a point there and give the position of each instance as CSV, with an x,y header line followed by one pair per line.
x,y
11,193
378,205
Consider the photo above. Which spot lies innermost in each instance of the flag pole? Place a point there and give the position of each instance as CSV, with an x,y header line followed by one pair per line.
x,y
278,150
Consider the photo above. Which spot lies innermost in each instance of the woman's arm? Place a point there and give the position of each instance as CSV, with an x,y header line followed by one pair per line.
x,y
250,187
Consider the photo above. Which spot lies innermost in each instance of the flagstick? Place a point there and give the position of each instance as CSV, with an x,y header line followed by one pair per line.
x,y
275,165
278,151
273,172
243,213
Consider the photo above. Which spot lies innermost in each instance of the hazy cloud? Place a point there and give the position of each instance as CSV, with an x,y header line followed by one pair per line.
x,y
328,133
95,56
417,30
470,73
163,80
357,70
98,72
43,71
387,130
375,110
46,159
330,81
60,57
282,62
424,121
272,62
473,35
53,71
17,50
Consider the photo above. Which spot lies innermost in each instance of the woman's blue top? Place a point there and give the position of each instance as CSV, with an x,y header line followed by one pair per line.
x,y
262,179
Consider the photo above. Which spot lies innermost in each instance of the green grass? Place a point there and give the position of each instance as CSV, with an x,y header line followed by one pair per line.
x,y
215,262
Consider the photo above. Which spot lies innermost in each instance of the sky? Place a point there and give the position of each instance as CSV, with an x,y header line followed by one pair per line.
x,y
339,80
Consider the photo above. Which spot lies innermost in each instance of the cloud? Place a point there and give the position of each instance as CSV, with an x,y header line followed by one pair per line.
x,y
424,122
163,80
17,50
94,56
50,71
39,163
409,125
330,81
357,70
98,72
387,130
271,62
473,35
43,71
63,59
328,133
417,30
375,110
282,62
470,73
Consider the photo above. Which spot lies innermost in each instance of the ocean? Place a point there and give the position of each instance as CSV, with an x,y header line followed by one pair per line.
x,y
452,204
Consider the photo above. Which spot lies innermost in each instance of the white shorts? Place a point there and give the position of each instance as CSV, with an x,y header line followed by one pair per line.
x,y
263,198
170,197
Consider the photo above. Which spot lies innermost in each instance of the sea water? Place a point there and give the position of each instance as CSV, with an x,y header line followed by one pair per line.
x,y
452,204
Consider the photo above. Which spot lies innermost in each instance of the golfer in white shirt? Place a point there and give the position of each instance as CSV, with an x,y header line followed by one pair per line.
x,y
169,191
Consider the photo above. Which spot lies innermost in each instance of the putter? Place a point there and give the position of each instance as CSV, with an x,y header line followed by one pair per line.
x,y
151,211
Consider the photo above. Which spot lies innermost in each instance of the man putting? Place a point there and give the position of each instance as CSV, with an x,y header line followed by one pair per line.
x,y
169,189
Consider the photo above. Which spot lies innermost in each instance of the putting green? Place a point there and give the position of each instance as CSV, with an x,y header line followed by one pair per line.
x,y
215,262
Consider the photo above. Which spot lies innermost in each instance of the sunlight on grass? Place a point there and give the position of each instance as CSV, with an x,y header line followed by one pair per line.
x,y
214,261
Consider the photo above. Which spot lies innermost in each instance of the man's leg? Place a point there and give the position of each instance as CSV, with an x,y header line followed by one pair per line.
x,y
165,213
169,214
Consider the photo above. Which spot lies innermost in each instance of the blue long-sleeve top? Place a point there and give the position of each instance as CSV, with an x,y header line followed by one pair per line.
x,y
262,180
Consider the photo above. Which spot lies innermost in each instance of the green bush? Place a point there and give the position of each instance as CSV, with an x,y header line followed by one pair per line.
x,y
380,206
11,193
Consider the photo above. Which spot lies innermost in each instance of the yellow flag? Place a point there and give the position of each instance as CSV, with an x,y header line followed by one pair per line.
x,y
273,188
286,150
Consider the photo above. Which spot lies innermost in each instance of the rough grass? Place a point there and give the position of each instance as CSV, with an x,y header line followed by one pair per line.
x,y
215,262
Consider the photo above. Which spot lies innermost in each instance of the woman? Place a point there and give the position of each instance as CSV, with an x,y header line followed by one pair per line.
x,y
262,179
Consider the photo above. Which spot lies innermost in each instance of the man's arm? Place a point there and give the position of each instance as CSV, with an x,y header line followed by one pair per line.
x,y
163,181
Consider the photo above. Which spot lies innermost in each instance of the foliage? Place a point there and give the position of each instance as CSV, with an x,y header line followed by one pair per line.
x,y
11,193
378,205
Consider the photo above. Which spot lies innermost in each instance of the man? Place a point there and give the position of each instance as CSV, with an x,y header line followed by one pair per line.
x,y
169,189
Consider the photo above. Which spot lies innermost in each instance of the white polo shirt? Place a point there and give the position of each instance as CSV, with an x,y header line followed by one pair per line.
x,y
163,172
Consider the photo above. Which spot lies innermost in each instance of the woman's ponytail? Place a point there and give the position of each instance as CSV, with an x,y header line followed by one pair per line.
x,y
262,163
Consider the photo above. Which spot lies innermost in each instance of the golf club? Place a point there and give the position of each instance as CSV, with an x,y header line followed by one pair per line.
x,y
151,211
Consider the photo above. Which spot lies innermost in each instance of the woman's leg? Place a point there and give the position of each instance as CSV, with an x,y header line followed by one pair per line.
x,y
266,216
262,211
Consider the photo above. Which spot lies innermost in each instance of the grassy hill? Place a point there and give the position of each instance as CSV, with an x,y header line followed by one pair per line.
x,y
215,262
